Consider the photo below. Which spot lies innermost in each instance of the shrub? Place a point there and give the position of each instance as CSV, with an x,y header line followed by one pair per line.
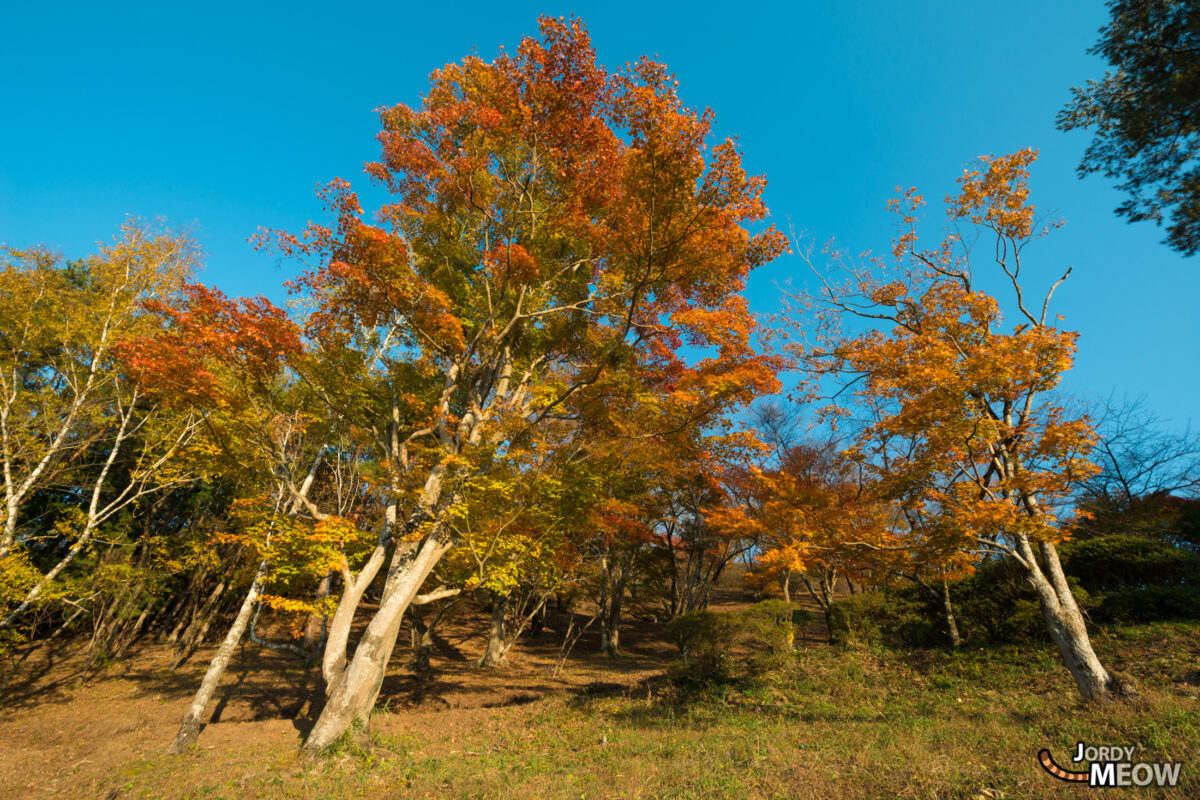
x,y
705,640
735,647
1116,578
1121,560
893,616
1148,604
996,605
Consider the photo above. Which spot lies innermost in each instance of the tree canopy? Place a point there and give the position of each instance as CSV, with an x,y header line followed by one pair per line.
x,y
1145,114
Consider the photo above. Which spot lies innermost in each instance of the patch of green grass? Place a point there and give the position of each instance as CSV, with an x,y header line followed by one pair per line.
x,y
846,723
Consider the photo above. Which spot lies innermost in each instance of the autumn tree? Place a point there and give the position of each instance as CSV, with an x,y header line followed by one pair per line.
x,y
549,220
78,435
819,521
995,456
235,359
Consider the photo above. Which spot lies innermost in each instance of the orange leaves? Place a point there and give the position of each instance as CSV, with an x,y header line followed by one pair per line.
x,y
814,509
512,262
211,334
620,521
963,436
996,194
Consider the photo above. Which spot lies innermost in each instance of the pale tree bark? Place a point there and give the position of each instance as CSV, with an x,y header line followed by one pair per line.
x,y
189,728
354,689
333,660
948,611
1064,620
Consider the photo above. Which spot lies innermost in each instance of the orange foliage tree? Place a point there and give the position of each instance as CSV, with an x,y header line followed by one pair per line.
x,y
993,455
550,222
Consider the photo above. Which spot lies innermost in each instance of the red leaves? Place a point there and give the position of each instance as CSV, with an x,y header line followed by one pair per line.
x,y
513,263
209,334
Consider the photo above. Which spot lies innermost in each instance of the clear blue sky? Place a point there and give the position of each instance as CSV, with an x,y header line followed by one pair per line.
x,y
223,118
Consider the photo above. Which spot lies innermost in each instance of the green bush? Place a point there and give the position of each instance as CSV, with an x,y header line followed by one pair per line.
x,y
1121,560
992,605
1148,604
996,605
705,640
1116,578
735,647
898,616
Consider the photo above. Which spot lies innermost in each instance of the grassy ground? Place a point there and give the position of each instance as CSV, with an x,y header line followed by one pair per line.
x,y
835,724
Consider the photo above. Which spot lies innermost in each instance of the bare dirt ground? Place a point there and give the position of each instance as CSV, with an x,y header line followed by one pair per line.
x,y
65,732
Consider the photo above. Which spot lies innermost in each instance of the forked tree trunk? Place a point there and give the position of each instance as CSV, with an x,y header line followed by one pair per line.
x,y
333,659
189,729
495,655
353,689
1064,620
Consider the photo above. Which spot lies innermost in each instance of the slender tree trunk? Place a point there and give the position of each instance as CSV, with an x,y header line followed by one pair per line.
x,y
189,729
1064,620
495,653
611,638
316,625
948,610
422,641
353,691
785,583
570,636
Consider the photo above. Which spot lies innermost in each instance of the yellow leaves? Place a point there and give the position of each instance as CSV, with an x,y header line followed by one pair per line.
x,y
17,576
297,612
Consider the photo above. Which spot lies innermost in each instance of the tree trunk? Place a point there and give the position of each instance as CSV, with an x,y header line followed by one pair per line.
x,y
948,609
824,599
189,729
1064,620
496,653
785,583
315,629
611,631
333,660
353,691
422,642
